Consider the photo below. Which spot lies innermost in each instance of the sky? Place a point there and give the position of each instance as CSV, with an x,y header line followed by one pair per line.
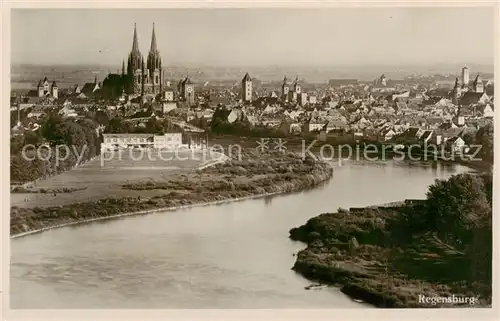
x,y
257,37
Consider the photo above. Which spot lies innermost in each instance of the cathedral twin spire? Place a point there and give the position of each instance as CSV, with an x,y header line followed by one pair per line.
x,y
137,60
153,48
144,75
135,43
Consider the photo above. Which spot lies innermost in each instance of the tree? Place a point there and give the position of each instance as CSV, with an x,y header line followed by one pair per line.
x,y
115,126
32,137
456,206
16,144
154,126
80,135
101,118
51,130
168,126
480,251
484,137
199,122
469,138
219,120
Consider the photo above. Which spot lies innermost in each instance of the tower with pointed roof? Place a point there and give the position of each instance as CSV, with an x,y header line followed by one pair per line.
x,y
383,80
187,90
465,76
154,70
478,84
144,76
39,87
294,94
246,88
456,92
285,89
135,75
296,86
55,91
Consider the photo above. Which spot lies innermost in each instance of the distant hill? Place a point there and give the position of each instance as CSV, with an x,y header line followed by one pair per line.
x,y
25,76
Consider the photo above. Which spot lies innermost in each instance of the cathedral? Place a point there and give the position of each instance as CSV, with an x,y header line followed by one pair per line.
x,y
144,79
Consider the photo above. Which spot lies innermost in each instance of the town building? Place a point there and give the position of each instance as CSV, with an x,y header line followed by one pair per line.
x,y
125,141
89,87
478,84
294,94
456,92
168,94
342,82
185,90
285,89
45,88
465,76
246,88
382,80
303,99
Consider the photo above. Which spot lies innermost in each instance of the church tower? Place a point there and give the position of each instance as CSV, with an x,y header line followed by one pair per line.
x,y
296,86
143,76
465,76
478,84
285,89
55,92
154,65
456,92
40,89
187,91
135,70
246,88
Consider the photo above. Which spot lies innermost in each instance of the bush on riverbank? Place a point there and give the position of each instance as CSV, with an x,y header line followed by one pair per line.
x,y
218,183
256,174
388,256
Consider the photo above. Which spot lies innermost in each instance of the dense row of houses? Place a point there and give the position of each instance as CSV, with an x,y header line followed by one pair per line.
x,y
383,109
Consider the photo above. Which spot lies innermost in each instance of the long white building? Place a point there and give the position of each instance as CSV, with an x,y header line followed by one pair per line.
x,y
166,141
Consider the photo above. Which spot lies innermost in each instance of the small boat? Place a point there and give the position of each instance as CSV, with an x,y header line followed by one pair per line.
x,y
315,286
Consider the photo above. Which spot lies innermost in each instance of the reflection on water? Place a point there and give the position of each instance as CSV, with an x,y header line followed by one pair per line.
x,y
235,255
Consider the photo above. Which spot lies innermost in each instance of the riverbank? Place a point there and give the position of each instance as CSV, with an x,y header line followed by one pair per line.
x,y
374,255
350,149
255,175
149,211
24,190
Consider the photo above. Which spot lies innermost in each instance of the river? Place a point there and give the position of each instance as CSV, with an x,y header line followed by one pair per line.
x,y
235,255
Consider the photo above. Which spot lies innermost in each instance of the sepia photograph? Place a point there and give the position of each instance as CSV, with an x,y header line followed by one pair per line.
x,y
251,158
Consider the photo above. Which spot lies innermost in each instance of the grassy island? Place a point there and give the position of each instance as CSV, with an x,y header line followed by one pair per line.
x,y
390,256
251,175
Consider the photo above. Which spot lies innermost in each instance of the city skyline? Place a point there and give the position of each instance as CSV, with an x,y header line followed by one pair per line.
x,y
257,37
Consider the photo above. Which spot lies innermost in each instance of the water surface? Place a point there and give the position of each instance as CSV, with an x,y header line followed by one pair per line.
x,y
235,255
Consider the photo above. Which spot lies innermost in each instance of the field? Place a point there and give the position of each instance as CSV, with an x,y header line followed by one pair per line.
x,y
103,177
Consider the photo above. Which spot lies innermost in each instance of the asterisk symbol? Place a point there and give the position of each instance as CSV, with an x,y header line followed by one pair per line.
x,y
263,144
280,145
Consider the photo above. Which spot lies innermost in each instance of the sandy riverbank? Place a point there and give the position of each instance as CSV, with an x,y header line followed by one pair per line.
x,y
96,179
254,176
